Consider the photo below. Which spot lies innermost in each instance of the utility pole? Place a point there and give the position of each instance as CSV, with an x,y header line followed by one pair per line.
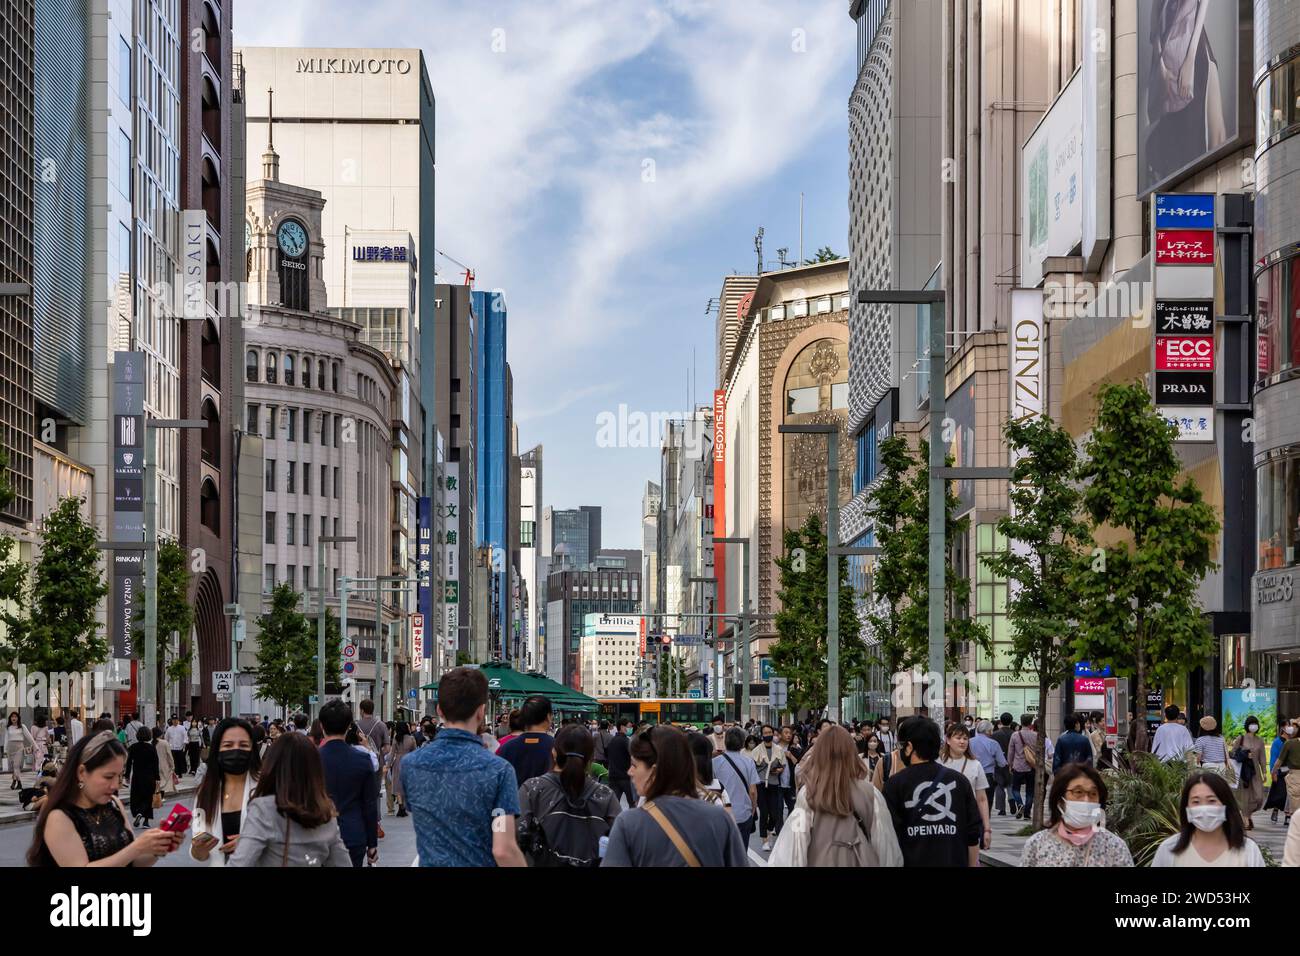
x,y
321,541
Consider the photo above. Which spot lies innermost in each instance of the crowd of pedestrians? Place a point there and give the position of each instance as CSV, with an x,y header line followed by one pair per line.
x,y
537,790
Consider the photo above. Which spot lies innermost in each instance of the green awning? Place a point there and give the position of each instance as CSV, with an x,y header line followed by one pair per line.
x,y
506,682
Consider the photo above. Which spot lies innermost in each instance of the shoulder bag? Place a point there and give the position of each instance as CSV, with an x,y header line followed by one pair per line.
x,y
671,832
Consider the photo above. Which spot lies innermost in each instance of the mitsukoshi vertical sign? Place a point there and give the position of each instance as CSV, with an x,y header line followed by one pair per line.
x,y
720,496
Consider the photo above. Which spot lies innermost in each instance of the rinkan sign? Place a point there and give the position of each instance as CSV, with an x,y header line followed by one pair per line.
x,y
1273,588
347,64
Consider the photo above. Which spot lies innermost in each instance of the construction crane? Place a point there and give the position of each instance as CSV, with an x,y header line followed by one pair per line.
x,y
469,273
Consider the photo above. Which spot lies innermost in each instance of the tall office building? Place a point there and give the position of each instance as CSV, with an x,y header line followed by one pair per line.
x,y
16,254
530,513
492,523
573,594
572,535
357,125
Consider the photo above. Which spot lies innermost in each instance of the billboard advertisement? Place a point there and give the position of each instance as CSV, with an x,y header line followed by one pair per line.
x,y
1191,54
1238,703
1051,171
960,426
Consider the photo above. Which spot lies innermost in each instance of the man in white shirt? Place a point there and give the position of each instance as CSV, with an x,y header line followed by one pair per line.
x,y
177,737
76,729
1172,739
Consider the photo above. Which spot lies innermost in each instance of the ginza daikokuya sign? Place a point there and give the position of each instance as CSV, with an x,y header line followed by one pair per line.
x,y
352,64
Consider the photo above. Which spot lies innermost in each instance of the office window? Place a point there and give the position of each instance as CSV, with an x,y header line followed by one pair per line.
x,y
293,577
306,374
270,527
336,482
124,163
336,376
306,530
325,428
272,367
270,578
288,374
306,478
336,533
123,70
254,419
123,249
306,578
323,487
338,431
292,415
270,474
290,527
320,374
272,421
306,425
290,477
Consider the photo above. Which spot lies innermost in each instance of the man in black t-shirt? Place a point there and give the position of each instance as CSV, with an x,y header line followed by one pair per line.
x,y
532,752
935,814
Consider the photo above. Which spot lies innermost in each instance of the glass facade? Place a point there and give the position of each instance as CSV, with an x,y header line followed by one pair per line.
x,y
1277,291
493,451
1278,511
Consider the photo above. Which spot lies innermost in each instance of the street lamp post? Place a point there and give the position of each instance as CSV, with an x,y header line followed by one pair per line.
x,y
717,653
832,433
744,621
321,541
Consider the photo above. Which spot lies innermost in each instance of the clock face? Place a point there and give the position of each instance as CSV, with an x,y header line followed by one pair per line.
x,y
292,238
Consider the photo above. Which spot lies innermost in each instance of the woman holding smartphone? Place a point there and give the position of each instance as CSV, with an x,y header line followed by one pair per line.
x,y
83,823
232,771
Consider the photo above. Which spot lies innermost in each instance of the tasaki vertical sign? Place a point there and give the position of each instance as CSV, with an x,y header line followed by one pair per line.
x,y
1184,252
128,424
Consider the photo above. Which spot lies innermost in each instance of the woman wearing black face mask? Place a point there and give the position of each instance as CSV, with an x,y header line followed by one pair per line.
x,y
232,770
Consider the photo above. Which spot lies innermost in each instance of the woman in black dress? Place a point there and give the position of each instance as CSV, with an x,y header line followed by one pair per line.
x,y
143,772
82,823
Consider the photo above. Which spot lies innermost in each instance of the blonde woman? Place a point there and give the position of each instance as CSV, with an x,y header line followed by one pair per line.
x,y
838,815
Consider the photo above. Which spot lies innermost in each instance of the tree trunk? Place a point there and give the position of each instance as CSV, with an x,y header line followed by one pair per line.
x,y
1139,683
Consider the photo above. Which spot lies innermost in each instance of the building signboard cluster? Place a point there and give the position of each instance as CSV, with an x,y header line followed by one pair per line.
x,y
1185,354
128,499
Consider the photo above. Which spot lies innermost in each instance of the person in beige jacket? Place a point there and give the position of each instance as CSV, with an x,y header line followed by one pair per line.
x,y
771,761
1291,853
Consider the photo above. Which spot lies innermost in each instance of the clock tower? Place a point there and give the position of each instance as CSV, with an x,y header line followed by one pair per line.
x,y
282,235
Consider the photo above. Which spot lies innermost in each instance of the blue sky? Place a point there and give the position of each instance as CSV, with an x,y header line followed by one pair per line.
x,y
625,153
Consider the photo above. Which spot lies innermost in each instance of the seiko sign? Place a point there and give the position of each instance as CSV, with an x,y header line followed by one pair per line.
x,y
347,64
1273,588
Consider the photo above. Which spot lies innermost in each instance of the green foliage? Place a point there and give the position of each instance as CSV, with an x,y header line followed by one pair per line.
x,y
1141,614
463,658
916,621
1142,804
671,673
1043,571
286,665
333,648
824,254
175,613
60,632
901,565
7,493
799,654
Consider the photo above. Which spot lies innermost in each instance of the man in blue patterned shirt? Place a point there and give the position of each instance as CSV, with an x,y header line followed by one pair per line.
x,y
464,800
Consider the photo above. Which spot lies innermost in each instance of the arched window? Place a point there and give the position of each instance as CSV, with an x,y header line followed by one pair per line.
x,y
288,369
320,375
210,442
272,367
211,354
306,371
251,364
210,506
336,376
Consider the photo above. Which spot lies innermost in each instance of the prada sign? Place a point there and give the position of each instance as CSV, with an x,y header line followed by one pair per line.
x,y
1184,388
348,64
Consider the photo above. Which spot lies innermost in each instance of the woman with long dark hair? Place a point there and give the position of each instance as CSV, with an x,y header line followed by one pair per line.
x,y
564,814
83,823
290,821
403,744
230,775
672,826
1211,831
142,771
711,788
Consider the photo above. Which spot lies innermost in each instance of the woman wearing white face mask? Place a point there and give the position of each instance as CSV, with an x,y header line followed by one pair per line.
x,y
1073,836
1212,832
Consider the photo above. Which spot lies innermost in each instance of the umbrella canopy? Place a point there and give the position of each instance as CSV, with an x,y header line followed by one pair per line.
x,y
506,682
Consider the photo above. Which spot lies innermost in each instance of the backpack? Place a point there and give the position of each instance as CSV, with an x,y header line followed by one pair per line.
x,y
565,832
844,841
1030,757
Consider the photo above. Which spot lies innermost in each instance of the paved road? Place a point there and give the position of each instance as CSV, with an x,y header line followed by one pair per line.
x,y
396,849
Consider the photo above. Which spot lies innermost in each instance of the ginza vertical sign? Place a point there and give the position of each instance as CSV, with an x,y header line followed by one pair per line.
x,y
127,486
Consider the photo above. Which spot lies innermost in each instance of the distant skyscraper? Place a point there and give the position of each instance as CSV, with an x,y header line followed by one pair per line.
x,y
492,523
574,536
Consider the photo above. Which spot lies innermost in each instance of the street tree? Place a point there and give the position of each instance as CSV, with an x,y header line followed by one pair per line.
x,y
824,254
799,654
59,633
915,622
175,613
1138,608
900,568
1042,571
286,653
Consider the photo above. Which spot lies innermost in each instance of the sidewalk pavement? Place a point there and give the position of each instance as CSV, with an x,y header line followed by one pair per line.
x,y
11,810
1007,846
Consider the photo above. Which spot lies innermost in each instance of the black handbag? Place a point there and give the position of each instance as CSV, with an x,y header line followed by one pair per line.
x,y
1276,799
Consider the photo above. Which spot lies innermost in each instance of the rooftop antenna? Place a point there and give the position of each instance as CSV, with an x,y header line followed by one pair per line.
x,y
270,159
781,255
758,248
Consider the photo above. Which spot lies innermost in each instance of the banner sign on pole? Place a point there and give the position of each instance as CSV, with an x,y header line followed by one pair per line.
x,y
424,561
